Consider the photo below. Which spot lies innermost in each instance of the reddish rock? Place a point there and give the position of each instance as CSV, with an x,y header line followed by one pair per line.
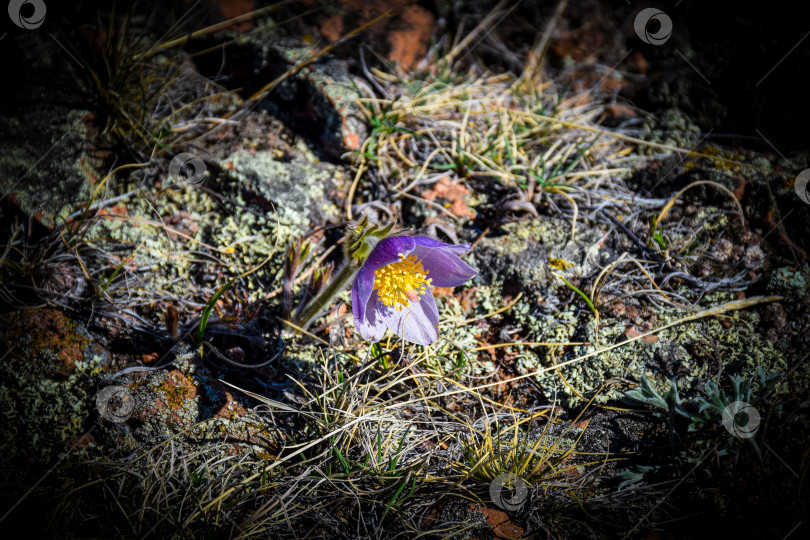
x,y
411,37
49,330
150,358
502,527
452,194
82,442
49,371
332,28
636,62
405,37
634,332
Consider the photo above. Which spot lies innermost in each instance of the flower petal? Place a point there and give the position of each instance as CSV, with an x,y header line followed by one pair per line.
x,y
361,291
427,241
388,250
372,324
445,268
418,322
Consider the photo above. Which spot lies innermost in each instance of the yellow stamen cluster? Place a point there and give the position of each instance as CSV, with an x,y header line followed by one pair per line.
x,y
401,282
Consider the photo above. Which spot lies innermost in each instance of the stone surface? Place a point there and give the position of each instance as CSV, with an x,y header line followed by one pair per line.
x,y
47,155
49,369
185,400
297,190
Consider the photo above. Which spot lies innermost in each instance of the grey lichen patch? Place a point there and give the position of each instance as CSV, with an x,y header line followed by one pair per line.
x,y
789,282
40,155
190,240
691,353
291,53
303,357
582,257
159,242
297,190
455,353
172,236
673,128
472,521
518,254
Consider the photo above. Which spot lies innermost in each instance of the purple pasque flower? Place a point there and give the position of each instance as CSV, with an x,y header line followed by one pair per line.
x,y
392,288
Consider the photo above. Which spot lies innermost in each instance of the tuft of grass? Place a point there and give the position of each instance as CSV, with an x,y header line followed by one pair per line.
x,y
492,451
151,98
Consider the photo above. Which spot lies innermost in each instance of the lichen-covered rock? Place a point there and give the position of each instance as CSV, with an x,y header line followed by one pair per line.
x,y
528,257
297,190
790,282
446,511
516,256
317,101
682,353
46,145
48,371
182,399
673,128
333,95
43,173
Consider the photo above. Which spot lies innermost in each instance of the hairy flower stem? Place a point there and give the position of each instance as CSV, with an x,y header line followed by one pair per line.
x,y
325,297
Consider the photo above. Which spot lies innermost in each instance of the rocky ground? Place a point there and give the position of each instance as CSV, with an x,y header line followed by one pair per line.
x,y
630,360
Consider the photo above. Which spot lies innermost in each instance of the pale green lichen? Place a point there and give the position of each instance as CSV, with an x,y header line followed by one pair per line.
x,y
672,128
298,189
45,404
789,282
171,236
736,350
522,256
455,351
515,258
